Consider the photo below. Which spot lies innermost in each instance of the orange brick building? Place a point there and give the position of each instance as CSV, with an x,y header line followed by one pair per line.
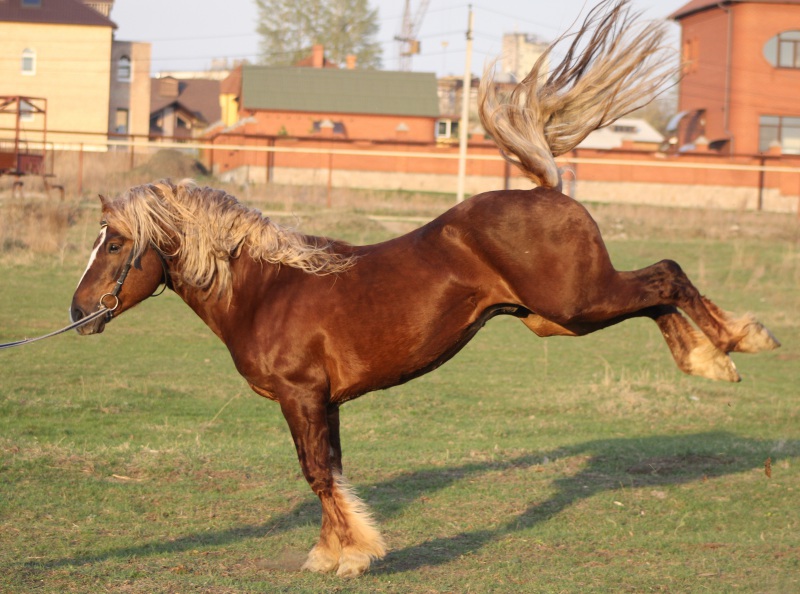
x,y
316,100
741,76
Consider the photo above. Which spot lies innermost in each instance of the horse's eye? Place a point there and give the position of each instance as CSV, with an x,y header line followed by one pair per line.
x,y
114,248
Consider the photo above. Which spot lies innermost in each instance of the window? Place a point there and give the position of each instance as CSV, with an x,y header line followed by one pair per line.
x,y
446,129
780,129
320,125
124,69
121,121
28,62
691,51
783,50
624,129
31,3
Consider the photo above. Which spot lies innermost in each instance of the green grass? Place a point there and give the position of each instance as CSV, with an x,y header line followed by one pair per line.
x,y
139,461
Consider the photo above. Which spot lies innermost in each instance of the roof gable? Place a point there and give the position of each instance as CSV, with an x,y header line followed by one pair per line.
x,y
374,92
53,12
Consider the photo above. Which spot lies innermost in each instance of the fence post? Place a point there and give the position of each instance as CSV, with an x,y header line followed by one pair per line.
x,y
80,170
270,159
328,200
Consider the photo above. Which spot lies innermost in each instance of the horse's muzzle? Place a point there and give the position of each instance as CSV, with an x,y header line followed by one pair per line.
x,y
96,326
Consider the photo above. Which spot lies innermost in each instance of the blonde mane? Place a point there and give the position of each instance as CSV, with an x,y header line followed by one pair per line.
x,y
206,228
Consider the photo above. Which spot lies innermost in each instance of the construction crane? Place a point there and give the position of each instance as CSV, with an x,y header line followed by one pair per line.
x,y
408,44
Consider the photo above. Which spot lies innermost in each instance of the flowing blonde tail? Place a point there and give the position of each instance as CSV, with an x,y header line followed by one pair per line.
x,y
622,66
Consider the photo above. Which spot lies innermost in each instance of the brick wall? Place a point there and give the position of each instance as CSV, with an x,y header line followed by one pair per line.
x,y
700,179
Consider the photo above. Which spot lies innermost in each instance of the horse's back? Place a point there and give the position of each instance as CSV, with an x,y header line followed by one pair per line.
x,y
535,225
509,217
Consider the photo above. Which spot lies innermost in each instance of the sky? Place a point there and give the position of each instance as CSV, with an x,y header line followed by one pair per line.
x,y
188,35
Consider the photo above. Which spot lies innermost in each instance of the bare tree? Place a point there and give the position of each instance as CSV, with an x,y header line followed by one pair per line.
x,y
289,28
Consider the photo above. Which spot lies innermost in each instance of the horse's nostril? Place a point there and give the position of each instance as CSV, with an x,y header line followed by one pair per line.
x,y
77,314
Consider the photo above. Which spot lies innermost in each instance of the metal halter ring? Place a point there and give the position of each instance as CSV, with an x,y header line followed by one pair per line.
x,y
116,301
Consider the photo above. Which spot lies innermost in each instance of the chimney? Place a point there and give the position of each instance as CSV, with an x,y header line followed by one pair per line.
x,y
317,55
351,62
168,87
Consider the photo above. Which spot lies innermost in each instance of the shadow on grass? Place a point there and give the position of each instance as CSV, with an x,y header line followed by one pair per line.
x,y
650,461
633,462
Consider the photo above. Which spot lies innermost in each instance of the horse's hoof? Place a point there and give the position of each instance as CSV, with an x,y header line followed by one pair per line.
x,y
712,363
352,564
320,561
757,339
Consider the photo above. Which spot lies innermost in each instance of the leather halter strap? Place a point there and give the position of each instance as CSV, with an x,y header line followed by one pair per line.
x,y
118,287
124,274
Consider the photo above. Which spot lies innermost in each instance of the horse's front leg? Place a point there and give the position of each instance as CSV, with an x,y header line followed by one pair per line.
x,y
348,538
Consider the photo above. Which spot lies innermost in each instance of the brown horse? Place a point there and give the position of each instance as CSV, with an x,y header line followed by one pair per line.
x,y
312,323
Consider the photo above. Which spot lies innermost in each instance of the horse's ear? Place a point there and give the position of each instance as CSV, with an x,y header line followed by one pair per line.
x,y
104,202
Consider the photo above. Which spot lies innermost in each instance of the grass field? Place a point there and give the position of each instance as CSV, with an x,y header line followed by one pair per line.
x,y
139,461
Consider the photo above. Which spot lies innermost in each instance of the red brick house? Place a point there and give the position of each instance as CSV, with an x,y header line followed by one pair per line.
x,y
741,78
316,100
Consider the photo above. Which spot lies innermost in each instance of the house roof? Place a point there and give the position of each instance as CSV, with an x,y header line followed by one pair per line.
x,y
700,5
376,92
232,84
53,12
198,96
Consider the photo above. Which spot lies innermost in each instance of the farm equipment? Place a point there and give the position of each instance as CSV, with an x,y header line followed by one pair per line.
x,y
22,157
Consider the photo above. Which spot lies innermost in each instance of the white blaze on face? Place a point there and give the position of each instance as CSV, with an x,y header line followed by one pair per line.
x,y
100,241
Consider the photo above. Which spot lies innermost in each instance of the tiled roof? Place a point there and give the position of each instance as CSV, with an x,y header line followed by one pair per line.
x,y
198,96
232,84
700,5
53,12
340,91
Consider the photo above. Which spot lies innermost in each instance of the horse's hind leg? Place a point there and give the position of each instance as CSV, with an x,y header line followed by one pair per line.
x,y
348,539
665,283
656,292
692,351
751,336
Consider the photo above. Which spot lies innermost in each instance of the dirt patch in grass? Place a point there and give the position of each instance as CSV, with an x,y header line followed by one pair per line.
x,y
168,163
667,465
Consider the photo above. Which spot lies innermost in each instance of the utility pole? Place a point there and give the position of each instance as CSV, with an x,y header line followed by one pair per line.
x,y
463,125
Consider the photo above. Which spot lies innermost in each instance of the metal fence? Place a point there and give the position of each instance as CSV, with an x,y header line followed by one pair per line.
x,y
757,182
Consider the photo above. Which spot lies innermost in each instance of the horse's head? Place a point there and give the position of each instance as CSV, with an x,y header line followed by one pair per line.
x,y
116,277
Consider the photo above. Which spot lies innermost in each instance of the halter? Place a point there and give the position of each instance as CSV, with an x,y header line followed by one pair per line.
x,y
118,287
108,312
124,274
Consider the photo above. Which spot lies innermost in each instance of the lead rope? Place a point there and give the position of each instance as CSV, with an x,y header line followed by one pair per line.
x,y
91,317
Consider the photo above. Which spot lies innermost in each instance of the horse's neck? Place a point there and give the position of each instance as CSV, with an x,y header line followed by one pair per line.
x,y
215,309
205,307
